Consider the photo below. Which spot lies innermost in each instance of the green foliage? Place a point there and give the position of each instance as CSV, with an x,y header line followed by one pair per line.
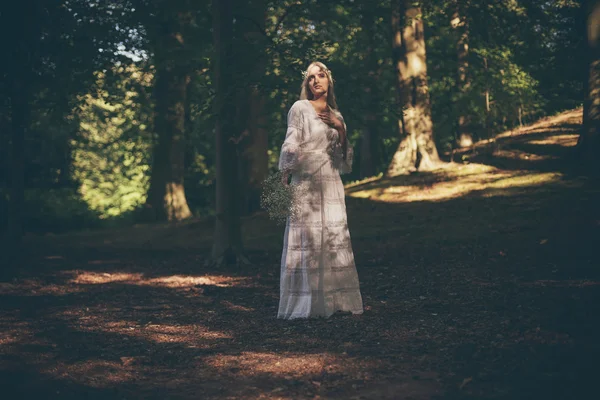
x,y
515,52
510,85
526,54
111,151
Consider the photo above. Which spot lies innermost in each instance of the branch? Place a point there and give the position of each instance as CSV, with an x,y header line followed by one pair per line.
x,y
285,14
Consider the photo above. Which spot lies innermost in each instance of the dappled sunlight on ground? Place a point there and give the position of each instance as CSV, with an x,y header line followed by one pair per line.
x,y
80,279
13,331
562,120
194,335
525,150
282,364
453,182
93,373
523,155
35,287
546,145
479,281
565,140
174,281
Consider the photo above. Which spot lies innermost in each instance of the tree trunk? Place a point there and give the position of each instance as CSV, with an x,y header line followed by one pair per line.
x,y
19,74
488,108
463,83
227,247
166,195
16,209
589,141
253,144
254,153
369,155
417,149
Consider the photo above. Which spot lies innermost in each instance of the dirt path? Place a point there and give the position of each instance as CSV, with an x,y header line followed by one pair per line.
x,y
479,283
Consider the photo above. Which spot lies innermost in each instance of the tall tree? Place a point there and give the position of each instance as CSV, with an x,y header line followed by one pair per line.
x,y
369,154
417,149
169,36
253,142
460,24
19,94
227,247
589,140
52,50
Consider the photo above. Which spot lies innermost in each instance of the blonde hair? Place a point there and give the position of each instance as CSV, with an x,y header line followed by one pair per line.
x,y
306,94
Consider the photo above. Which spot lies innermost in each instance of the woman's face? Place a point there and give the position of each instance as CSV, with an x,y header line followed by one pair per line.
x,y
317,81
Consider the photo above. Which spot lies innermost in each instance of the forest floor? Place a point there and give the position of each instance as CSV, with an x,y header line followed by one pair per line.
x,y
480,280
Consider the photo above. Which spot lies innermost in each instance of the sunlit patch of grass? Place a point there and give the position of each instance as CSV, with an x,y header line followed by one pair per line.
x,y
518,180
452,182
574,117
281,364
516,154
364,181
565,140
76,284
173,281
13,332
193,335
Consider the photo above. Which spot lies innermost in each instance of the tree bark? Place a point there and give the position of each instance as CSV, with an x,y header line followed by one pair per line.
x,y
369,155
253,143
254,153
589,141
417,149
166,195
459,23
227,247
20,75
16,208
488,108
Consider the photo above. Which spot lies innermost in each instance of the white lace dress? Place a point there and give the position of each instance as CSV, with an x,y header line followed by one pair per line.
x,y
318,273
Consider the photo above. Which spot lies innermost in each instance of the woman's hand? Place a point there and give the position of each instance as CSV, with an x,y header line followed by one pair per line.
x,y
330,119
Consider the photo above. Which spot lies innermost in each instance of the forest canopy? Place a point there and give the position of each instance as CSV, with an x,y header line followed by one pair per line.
x,y
111,110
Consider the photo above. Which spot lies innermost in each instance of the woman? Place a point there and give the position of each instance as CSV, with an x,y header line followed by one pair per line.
x,y
318,274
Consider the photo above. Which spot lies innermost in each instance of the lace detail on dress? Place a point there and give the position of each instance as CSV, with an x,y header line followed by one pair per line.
x,y
288,159
291,148
319,224
344,165
318,273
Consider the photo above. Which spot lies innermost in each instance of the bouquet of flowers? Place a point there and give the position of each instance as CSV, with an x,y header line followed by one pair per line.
x,y
278,199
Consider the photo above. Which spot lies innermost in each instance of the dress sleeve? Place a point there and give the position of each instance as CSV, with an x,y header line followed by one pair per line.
x,y
344,165
291,148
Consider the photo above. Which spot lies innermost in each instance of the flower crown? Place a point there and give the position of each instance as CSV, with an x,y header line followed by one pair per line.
x,y
326,70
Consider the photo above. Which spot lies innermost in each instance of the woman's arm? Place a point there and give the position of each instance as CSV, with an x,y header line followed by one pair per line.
x,y
290,150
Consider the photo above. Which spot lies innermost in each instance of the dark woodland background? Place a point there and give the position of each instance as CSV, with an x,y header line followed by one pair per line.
x,y
136,261
110,110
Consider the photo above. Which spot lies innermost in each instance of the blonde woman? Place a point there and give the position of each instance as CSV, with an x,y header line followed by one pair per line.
x,y
318,273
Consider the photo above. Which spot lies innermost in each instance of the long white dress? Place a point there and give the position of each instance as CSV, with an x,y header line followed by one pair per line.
x,y
318,273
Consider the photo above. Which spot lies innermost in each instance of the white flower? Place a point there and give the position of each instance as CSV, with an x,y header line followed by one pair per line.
x,y
279,200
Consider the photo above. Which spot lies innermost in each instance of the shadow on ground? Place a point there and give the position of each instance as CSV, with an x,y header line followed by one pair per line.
x,y
478,283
